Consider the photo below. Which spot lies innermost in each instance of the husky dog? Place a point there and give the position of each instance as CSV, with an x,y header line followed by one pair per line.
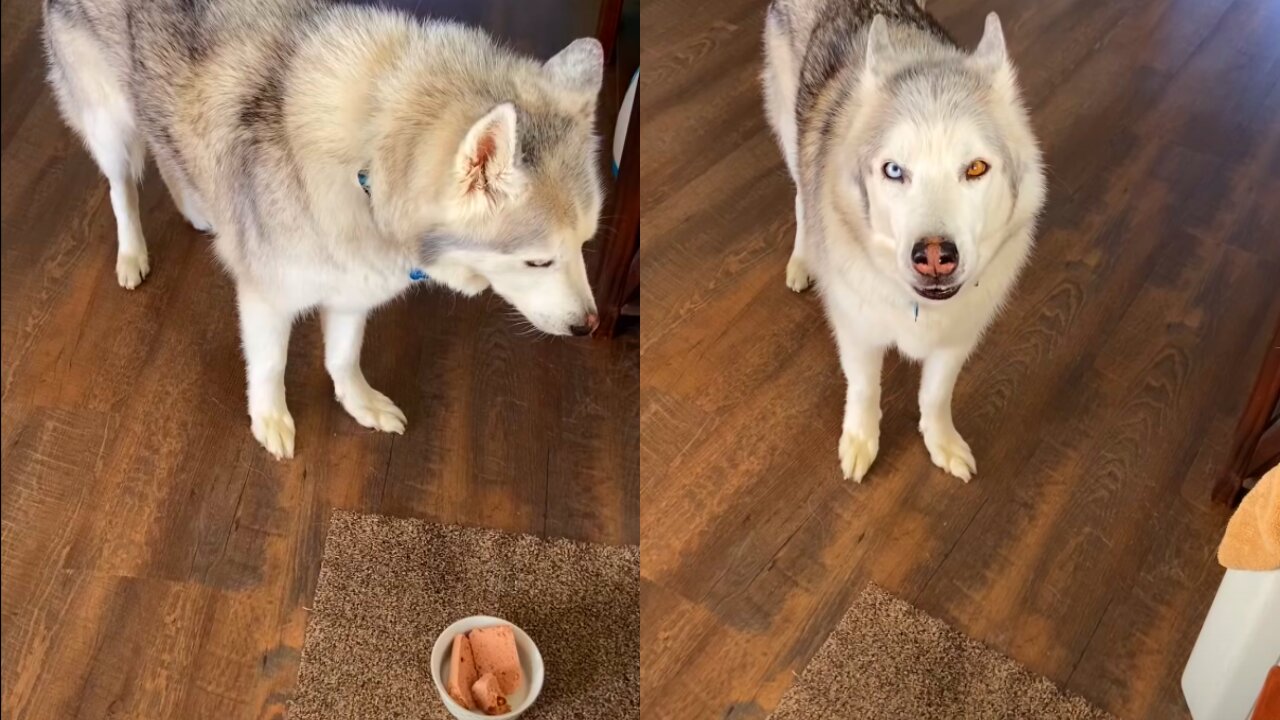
x,y
918,183
339,154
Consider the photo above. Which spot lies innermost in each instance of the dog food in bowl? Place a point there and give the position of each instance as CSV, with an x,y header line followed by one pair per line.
x,y
474,656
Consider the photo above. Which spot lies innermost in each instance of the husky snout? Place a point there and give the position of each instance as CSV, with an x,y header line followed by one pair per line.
x,y
935,260
555,298
589,323
935,257
553,319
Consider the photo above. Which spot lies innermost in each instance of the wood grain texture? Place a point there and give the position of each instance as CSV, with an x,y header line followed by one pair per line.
x,y
157,563
1100,406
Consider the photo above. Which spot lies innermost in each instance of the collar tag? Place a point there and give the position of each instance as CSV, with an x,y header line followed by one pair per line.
x,y
417,275
362,177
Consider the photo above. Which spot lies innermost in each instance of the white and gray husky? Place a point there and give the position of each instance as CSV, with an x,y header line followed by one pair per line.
x,y
339,154
918,184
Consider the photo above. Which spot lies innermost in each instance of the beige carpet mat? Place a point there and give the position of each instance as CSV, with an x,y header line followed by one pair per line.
x,y
388,587
889,661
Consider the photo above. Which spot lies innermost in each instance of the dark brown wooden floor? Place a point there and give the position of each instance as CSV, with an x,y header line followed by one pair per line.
x,y
1099,406
157,563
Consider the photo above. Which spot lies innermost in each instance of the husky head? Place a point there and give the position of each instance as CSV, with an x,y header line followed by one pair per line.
x,y
516,187
947,164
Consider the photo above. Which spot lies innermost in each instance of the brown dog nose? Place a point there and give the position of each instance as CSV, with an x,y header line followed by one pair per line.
x,y
592,322
935,256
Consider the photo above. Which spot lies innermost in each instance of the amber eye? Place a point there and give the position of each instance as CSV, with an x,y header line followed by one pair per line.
x,y
976,169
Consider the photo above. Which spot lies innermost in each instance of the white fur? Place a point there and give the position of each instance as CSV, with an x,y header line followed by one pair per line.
x,y
861,260
102,113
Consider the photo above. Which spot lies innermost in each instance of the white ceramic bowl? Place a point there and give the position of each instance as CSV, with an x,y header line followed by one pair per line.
x,y
530,664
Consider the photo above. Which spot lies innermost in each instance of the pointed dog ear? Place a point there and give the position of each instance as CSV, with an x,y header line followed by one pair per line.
x,y
991,52
487,160
879,47
579,70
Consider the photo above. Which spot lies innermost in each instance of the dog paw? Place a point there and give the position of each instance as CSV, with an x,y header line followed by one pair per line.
x,y
950,452
373,410
857,451
798,274
131,269
274,430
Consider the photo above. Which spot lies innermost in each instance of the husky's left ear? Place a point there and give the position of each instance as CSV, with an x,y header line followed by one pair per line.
x,y
579,71
991,53
487,160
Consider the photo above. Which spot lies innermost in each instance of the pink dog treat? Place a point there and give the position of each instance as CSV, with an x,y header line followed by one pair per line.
x,y
487,692
462,672
495,652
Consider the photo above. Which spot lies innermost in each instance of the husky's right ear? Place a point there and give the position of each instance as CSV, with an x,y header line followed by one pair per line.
x,y
487,162
879,47
578,70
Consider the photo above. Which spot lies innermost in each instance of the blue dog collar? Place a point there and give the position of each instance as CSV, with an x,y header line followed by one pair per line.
x,y
417,275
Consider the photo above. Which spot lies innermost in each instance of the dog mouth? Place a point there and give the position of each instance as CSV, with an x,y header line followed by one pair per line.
x,y
938,292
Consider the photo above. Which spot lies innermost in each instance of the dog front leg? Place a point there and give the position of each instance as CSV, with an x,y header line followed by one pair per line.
x,y
947,449
343,337
860,433
264,330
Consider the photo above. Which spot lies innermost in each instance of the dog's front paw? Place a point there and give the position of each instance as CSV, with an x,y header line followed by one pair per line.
x,y
858,449
274,429
132,269
950,452
798,278
372,409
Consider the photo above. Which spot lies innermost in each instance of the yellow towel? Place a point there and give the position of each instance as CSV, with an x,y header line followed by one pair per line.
x,y
1252,541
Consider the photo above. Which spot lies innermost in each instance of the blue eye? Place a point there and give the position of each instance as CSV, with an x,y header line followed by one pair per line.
x,y
893,171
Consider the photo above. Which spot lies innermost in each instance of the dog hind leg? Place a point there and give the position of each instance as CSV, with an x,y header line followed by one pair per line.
x,y
95,102
798,278
780,79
